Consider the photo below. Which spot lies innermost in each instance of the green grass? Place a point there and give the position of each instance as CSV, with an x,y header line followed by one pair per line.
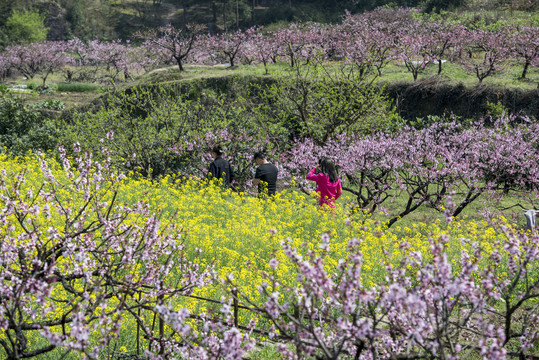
x,y
77,87
265,352
497,17
428,215
451,73
454,74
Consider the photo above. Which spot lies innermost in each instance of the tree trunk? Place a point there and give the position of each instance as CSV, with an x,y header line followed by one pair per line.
x,y
224,15
526,65
470,197
214,12
184,12
180,65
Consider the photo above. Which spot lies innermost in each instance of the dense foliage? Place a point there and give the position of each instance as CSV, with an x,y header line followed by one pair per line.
x,y
23,129
26,27
155,131
163,129
109,20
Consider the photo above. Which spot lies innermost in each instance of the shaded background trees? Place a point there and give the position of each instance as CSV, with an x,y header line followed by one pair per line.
x,y
110,20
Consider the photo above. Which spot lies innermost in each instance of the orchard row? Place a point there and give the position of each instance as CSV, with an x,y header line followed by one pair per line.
x,y
369,41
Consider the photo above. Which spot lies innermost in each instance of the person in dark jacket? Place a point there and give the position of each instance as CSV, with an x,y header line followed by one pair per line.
x,y
220,168
265,175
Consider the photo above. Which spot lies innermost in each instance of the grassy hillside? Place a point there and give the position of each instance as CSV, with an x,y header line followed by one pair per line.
x,y
394,76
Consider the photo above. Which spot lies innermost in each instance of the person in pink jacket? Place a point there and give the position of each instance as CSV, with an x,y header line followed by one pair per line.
x,y
327,181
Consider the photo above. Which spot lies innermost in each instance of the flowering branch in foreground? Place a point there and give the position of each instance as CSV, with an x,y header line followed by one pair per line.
x,y
427,306
75,263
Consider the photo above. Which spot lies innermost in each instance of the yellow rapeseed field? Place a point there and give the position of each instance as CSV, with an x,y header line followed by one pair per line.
x,y
241,233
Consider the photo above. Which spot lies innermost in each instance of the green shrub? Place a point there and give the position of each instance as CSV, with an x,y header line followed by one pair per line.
x,y
150,122
496,109
48,104
146,123
318,102
26,27
22,129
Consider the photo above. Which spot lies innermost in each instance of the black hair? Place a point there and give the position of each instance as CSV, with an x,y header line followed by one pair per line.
x,y
218,150
328,168
259,155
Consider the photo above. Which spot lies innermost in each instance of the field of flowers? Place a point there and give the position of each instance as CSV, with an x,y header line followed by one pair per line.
x,y
97,264
117,248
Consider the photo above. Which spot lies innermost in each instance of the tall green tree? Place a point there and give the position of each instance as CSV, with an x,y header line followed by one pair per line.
x,y
27,26
90,19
